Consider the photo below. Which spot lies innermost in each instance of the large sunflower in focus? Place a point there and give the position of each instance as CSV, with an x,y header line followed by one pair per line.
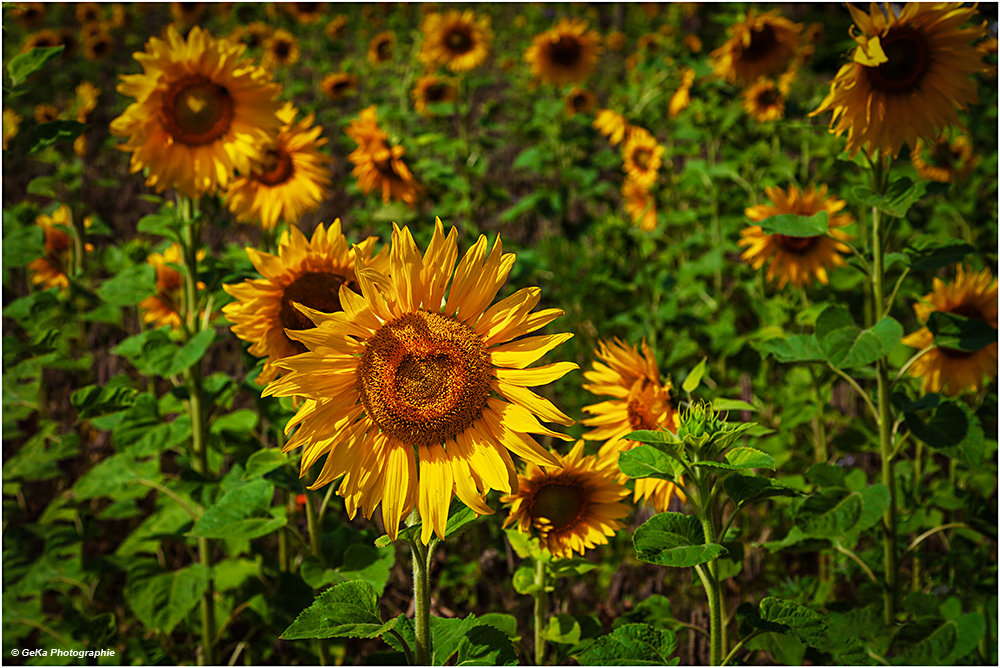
x,y
639,401
378,164
796,259
572,508
406,380
973,295
907,77
309,272
762,45
291,180
567,53
200,112
457,40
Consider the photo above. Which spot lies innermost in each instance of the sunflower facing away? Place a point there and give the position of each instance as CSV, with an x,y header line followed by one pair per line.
x,y
432,89
639,401
565,54
908,75
572,508
641,157
973,295
290,180
200,112
404,380
49,271
760,46
11,124
381,47
338,85
457,40
944,160
640,205
378,165
309,272
163,308
797,259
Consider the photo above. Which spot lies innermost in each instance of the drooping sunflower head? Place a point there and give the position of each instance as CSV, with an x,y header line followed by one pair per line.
x,y
378,164
761,45
907,77
431,89
163,308
567,53
641,157
338,86
200,112
572,508
640,205
49,271
799,260
580,101
281,49
944,159
420,373
290,180
972,295
458,40
612,125
305,271
764,102
381,47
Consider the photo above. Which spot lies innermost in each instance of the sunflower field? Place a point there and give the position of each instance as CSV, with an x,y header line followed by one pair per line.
x,y
499,334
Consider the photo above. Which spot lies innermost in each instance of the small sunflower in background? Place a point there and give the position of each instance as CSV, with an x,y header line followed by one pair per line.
x,y
639,400
762,45
281,49
641,157
907,78
799,260
415,398
45,113
944,160
615,40
431,89
305,13
988,49
693,43
50,270
763,101
291,179
580,101
972,295
98,46
381,47
188,13
29,14
42,39
200,113
379,165
612,125
335,28
640,205
571,509
307,271
91,29
567,53
681,98
253,36
460,41
163,308
89,12
338,85
11,124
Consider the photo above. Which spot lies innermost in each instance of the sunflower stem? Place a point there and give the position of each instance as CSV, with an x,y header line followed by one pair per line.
x,y
541,608
423,648
710,578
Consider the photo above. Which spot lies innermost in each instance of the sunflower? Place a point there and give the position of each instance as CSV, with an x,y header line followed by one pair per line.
x,y
639,205
640,401
290,181
973,295
380,48
761,45
572,508
641,156
89,12
338,85
187,13
200,112
615,40
29,14
49,271
580,101
944,160
253,35
403,372
98,46
45,113
907,77
458,40
431,89
305,12
86,100
796,259
565,54
163,307
693,43
42,39
681,98
612,125
378,164
11,124
988,50
281,49
764,102
650,44
91,29
309,272
335,28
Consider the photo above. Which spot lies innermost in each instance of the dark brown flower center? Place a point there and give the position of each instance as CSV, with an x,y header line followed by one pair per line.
x,y
282,49
641,158
341,87
566,52
384,50
436,92
319,290
768,97
196,111
277,168
559,502
795,245
580,102
424,377
762,43
909,60
459,41
100,46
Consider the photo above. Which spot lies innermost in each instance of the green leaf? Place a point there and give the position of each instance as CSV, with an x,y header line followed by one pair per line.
x,y
130,286
740,459
263,462
56,132
796,348
242,512
744,489
930,255
24,65
847,346
719,405
829,513
23,246
562,628
114,475
46,186
956,332
792,225
241,421
348,610
646,436
826,476
486,646
931,649
953,430
448,635
675,540
805,624
95,400
162,224
970,630
37,459
162,600
524,580
632,645
191,352
503,622
901,196
531,158
560,568
647,461
694,378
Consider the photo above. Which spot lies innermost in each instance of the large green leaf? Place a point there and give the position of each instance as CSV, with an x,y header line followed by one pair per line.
x,y
24,65
931,255
485,646
563,628
130,286
805,624
744,489
897,201
795,348
632,645
956,332
792,225
846,345
263,462
162,600
953,430
347,610
875,502
694,378
829,513
115,475
741,459
55,132
647,461
242,512
361,562
21,247
38,458
675,540
94,400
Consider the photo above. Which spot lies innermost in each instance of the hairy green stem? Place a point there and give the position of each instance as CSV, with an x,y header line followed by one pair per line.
x,y
424,650
710,578
740,645
541,608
